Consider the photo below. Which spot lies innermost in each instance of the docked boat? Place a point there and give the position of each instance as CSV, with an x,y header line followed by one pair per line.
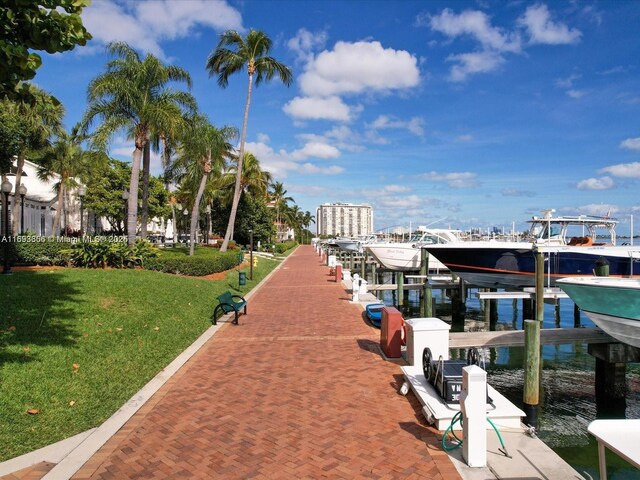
x,y
405,256
572,246
374,313
354,245
613,304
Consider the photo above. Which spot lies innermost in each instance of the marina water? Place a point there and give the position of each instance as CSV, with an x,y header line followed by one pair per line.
x,y
568,398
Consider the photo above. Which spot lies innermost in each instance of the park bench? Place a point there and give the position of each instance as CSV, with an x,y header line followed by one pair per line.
x,y
227,303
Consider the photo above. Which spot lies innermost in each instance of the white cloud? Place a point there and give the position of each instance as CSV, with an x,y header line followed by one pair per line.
x,y
395,189
541,29
415,125
464,138
453,179
598,209
470,63
576,93
514,192
145,24
623,170
604,183
305,42
567,82
318,108
358,67
631,144
281,162
476,24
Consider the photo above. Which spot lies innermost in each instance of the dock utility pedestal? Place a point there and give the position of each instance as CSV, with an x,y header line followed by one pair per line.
x,y
391,332
427,332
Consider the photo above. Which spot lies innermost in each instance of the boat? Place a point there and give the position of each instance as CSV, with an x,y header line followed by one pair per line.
x,y
405,256
613,304
572,246
355,245
374,313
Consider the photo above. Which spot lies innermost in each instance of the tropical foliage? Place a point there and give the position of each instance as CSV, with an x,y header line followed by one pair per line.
x,y
232,54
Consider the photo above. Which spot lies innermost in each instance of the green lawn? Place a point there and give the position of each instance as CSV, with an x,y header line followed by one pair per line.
x,y
76,344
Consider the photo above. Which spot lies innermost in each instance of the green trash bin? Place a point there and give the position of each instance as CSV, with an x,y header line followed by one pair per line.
x,y
242,278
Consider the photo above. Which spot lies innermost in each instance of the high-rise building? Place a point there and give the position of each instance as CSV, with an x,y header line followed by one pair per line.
x,y
344,219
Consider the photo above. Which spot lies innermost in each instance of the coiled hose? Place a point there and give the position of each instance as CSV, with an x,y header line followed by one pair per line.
x,y
458,418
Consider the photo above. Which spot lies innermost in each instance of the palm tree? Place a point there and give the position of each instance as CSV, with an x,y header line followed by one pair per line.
x,y
280,202
40,120
204,149
132,95
308,220
231,55
67,160
253,181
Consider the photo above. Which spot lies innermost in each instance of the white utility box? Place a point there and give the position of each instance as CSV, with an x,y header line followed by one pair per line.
x,y
427,332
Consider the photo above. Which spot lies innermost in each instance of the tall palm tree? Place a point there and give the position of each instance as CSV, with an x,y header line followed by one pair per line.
x,y
280,202
231,55
308,220
133,95
204,149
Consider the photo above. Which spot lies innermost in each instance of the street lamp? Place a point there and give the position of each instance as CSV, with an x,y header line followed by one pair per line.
x,y
206,232
82,190
185,213
6,189
125,199
251,254
22,190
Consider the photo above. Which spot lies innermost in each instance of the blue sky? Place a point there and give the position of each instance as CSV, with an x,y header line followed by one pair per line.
x,y
481,113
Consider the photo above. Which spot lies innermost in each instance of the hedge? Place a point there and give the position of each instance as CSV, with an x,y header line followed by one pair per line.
x,y
32,250
284,246
196,266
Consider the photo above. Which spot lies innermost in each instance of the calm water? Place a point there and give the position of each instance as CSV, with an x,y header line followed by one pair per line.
x,y
568,399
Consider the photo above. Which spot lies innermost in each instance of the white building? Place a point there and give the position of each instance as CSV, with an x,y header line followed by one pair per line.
x,y
40,204
344,219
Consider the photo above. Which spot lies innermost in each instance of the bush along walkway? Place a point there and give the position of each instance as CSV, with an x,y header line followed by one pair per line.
x,y
297,390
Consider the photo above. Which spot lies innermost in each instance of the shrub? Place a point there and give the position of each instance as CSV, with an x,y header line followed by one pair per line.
x,y
198,266
33,250
103,253
284,246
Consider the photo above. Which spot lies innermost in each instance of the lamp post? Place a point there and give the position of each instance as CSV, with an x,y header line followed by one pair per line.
x,y
251,254
22,190
125,199
185,213
82,190
206,232
6,189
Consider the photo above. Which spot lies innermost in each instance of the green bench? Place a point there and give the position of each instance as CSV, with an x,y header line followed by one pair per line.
x,y
227,303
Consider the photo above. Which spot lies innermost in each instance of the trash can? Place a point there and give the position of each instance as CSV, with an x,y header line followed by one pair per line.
x,y
242,278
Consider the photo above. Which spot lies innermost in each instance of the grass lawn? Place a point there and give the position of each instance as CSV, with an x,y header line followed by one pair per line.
x,y
76,344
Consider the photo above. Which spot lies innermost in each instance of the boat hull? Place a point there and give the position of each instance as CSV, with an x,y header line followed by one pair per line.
x,y
512,265
613,304
400,257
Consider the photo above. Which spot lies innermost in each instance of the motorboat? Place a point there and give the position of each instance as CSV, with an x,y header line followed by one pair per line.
x,y
613,304
405,256
572,246
355,245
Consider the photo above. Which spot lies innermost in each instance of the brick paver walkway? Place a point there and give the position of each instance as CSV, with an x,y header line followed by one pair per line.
x,y
297,390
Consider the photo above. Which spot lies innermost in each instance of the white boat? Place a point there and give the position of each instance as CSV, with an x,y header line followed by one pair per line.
x,y
613,304
405,256
572,246
355,244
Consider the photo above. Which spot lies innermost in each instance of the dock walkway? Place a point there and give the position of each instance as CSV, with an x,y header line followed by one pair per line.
x,y
297,390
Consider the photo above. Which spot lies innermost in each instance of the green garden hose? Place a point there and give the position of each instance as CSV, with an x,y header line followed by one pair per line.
x,y
458,418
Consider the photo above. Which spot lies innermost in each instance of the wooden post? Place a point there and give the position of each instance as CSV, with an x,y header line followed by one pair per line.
x,y
363,265
532,365
426,295
576,316
400,287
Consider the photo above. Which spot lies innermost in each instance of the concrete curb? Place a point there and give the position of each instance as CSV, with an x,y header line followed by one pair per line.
x,y
71,454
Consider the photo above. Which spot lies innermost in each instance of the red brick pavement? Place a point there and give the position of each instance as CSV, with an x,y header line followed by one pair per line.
x,y
297,390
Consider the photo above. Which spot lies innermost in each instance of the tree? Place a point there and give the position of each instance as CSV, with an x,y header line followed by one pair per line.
x,y
133,95
67,159
38,121
203,149
51,25
231,55
280,202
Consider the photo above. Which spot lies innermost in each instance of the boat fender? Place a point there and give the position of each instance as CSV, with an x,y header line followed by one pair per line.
x,y
403,333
